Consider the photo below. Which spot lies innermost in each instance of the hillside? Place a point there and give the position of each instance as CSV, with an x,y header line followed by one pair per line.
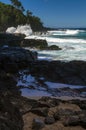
x,y
12,16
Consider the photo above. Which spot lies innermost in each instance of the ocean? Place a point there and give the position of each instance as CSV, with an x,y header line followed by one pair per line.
x,y
73,47
71,41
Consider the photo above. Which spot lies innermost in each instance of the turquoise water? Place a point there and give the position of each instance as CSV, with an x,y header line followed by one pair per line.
x,y
72,42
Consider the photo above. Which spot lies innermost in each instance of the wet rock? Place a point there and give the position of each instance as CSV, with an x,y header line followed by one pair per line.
x,y
53,47
66,112
14,58
11,39
38,124
51,102
35,43
10,117
71,121
40,111
63,72
80,103
49,120
56,116
16,54
83,121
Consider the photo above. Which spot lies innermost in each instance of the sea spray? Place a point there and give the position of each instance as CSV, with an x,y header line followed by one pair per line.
x,y
71,41
65,32
21,29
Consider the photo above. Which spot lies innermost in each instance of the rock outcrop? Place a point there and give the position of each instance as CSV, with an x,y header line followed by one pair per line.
x,y
17,40
53,47
65,115
14,58
35,43
20,113
11,39
10,116
73,72
38,44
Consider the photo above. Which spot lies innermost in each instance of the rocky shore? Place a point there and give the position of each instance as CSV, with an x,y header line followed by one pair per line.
x,y
21,113
73,72
17,58
19,41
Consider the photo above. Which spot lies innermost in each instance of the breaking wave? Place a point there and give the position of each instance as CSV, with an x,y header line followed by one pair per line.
x,y
22,29
57,40
65,32
72,42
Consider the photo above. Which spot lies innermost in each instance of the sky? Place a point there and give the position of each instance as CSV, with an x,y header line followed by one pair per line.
x,y
57,13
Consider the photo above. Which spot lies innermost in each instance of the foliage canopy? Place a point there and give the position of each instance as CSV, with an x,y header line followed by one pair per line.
x,y
14,15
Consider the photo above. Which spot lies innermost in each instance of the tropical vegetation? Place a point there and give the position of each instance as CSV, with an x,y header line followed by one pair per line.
x,y
15,14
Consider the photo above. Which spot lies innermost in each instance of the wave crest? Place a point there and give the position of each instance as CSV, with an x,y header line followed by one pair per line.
x,y
22,29
65,32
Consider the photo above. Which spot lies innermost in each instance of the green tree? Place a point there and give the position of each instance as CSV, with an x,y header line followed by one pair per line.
x,y
13,16
28,13
17,4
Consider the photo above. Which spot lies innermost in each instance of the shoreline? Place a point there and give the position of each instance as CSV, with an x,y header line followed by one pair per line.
x,y
63,98
24,111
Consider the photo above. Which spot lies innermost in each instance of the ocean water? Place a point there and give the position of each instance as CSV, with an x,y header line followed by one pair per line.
x,y
72,42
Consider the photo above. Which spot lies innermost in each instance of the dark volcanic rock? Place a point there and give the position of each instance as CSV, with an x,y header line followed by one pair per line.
x,y
49,101
83,121
81,104
37,124
34,43
11,39
40,111
72,121
53,47
73,72
14,58
39,44
49,120
10,117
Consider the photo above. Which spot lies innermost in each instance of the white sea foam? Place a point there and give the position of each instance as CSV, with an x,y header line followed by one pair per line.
x,y
60,85
65,32
72,49
34,93
29,80
22,29
63,40
57,40
26,80
11,30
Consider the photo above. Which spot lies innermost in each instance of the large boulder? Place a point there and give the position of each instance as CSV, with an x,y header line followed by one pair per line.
x,y
35,43
73,72
37,124
10,117
13,58
11,39
53,47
